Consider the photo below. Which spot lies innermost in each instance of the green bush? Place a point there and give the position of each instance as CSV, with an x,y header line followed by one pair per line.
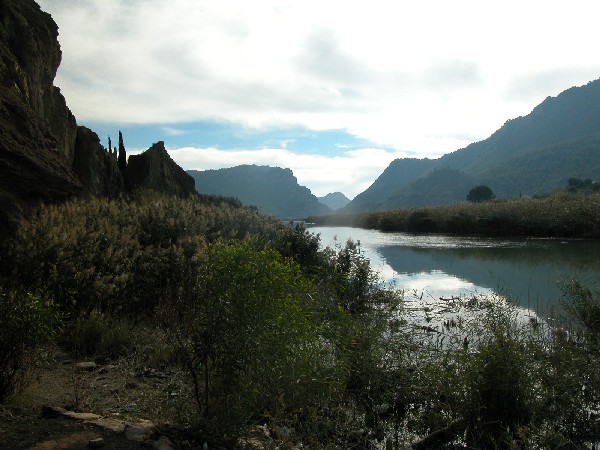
x,y
121,255
101,335
251,336
29,320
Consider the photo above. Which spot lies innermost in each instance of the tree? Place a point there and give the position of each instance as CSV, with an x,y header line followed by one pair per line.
x,y
480,194
122,158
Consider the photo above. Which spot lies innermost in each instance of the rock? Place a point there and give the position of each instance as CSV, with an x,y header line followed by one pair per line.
x,y
86,366
382,409
96,167
163,443
52,412
81,416
283,433
109,424
96,443
154,169
38,130
137,433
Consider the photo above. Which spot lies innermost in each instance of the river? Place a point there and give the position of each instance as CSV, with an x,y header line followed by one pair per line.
x,y
529,272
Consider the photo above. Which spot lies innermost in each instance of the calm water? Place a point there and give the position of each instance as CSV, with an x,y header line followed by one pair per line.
x,y
529,271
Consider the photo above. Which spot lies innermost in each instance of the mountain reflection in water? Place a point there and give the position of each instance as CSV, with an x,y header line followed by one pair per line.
x,y
529,271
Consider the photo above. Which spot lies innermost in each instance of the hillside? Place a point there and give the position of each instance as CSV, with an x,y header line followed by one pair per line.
x,y
272,190
529,155
334,200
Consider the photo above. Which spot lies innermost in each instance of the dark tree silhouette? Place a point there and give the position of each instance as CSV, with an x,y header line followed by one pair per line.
x,y
122,158
480,194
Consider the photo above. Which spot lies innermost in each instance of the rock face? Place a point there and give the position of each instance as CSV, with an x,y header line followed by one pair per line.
x,y
29,58
31,167
154,169
34,151
96,168
44,156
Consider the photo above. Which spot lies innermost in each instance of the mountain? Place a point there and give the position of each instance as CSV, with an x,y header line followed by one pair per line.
x,y
154,169
529,155
399,174
45,157
273,190
334,200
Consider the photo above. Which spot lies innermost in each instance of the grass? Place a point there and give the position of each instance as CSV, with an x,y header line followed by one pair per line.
x,y
563,214
272,331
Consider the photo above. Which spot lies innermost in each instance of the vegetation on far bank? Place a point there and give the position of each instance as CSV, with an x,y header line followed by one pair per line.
x,y
273,331
573,213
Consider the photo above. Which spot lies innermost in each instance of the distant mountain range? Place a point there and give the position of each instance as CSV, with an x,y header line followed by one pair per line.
x,y
272,190
334,200
529,155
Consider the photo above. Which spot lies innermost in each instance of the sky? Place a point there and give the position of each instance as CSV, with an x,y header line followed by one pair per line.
x,y
332,89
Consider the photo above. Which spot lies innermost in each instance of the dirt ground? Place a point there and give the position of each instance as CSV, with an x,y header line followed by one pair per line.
x,y
121,393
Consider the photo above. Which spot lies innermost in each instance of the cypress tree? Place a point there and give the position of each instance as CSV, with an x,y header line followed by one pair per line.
x,y
109,145
122,158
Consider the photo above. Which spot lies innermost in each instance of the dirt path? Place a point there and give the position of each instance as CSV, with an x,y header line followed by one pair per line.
x,y
118,393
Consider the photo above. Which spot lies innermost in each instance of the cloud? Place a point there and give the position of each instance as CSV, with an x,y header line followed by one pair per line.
x,y
172,131
538,85
410,75
351,172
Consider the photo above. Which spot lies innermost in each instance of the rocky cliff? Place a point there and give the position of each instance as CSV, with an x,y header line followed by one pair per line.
x,y
29,58
96,168
37,129
154,169
44,155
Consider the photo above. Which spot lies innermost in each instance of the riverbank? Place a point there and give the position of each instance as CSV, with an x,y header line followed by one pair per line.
x,y
562,214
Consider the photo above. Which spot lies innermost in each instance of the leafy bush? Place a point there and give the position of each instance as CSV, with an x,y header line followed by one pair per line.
x,y
583,306
251,336
29,320
121,255
101,335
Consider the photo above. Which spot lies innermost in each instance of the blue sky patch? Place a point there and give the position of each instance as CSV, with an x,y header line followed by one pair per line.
x,y
229,136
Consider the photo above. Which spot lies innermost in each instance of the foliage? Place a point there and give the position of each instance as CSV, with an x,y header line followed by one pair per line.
x,y
29,320
563,214
105,336
122,156
121,255
251,336
273,329
583,306
479,194
575,184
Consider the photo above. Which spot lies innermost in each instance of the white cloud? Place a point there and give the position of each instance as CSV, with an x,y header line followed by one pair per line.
x,y
351,173
411,75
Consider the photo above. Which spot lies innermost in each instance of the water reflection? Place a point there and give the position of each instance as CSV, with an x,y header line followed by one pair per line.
x,y
530,271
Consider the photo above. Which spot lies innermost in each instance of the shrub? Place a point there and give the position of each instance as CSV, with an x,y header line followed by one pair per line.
x,y
583,306
121,255
29,320
249,332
